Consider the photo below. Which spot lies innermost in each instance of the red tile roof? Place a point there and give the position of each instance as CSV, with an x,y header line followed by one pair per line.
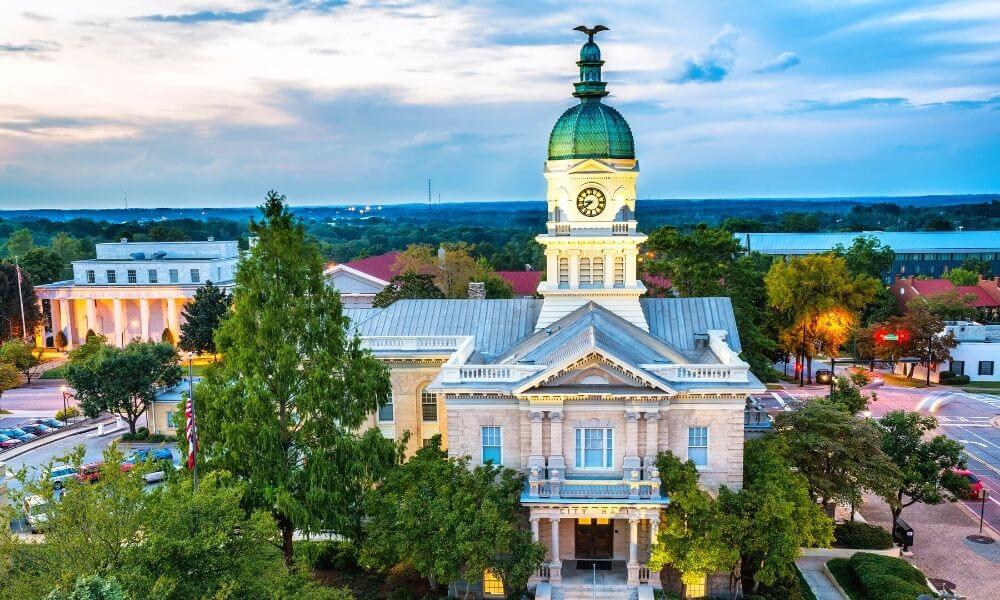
x,y
377,266
525,283
929,287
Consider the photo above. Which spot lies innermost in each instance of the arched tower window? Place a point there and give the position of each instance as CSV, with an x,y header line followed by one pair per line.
x,y
619,271
428,406
563,272
598,272
584,272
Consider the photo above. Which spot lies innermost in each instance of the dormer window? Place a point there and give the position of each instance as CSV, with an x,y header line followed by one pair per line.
x,y
112,276
91,276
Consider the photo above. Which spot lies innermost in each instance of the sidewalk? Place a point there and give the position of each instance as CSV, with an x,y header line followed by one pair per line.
x,y
941,550
819,582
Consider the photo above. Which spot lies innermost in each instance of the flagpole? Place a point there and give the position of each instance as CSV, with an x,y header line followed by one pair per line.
x,y
194,468
20,296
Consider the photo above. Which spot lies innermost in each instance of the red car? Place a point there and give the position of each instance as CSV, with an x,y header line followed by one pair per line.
x,y
975,486
89,473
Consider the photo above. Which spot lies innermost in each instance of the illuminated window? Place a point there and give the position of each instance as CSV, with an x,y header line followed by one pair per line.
x,y
385,411
595,448
698,445
492,585
428,406
492,450
695,585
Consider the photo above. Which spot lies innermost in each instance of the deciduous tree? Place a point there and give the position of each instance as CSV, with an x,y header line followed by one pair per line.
x,y
924,462
866,256
123,381
283,408
948,306
44,265
22,355
451,269
202,317
19,243
960,276
10,378
407,286
11,303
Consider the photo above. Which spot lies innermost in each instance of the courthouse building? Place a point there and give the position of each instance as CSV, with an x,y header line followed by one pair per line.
x,y
133,290
580,389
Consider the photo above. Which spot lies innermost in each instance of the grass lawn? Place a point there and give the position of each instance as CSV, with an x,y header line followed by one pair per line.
x,y
843,572
56,373
989,387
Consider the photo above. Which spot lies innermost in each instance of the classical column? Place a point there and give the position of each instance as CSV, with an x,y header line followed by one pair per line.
x,y
144,317
534,529
66,323
609,269
552,267
630,260
652,438
92,316
536,457
119,315
40,329
654,530
633,552
171,318
555,567
557,457
574,269
631,460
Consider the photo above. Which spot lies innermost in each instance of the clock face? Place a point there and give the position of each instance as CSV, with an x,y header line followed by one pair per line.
x,y
591,202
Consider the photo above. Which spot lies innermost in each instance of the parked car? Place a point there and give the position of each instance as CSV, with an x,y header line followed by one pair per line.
x,y
36,512
8,442
975,485
55,424
28,437
37,429
144,454
89,473
824,376
61,474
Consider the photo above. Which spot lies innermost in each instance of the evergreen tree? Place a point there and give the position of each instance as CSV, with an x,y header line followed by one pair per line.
x,y
202,317
283,409
10,303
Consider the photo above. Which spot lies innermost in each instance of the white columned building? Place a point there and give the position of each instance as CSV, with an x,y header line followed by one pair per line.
x,y
133,290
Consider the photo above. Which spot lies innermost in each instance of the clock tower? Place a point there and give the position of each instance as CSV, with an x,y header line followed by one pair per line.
x,y
591,242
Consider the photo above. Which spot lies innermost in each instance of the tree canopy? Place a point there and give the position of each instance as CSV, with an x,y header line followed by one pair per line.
x,y
285,420
11,303
21,354
407,286
961,276
202,317
123,381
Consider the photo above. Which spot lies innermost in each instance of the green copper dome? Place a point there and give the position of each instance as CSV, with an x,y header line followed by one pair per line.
x,y
591,129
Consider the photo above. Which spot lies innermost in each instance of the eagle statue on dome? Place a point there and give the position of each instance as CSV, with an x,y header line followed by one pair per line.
x,y
591,31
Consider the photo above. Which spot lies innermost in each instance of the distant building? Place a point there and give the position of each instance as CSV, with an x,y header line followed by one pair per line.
x,y
133,290
977,354
930,253
986,293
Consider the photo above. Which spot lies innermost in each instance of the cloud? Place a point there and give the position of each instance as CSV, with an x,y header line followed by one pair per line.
x,y
781,62
210,16
36,17
852,104
711,65
34,47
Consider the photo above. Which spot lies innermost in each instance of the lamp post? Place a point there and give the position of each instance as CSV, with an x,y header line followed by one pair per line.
x,y
65,396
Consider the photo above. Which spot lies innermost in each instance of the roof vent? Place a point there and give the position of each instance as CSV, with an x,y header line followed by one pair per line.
x,y
211,238
124,240
138,255
159,255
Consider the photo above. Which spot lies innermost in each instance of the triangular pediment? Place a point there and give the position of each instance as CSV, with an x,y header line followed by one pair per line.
x,y
591,166
592,368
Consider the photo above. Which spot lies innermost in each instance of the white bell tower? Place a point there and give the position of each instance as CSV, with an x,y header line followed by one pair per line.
x,y
591,242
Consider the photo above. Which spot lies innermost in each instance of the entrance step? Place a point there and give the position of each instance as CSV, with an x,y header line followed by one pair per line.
x,y
578,592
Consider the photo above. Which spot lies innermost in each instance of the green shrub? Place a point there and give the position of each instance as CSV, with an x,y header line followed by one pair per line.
x,y
60,340
71,412
140,435
946,375
789,588
958,380
339,556
888,578
862,536
843,572
160,438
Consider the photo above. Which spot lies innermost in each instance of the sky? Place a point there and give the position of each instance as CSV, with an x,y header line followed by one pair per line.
x,y
212,103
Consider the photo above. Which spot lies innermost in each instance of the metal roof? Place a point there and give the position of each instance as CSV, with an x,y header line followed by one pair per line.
x,y
495,324
899,241
676,321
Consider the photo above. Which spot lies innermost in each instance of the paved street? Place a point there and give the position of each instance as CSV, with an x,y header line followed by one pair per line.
x,y
42,398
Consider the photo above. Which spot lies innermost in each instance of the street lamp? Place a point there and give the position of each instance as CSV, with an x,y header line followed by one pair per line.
x,y
65,396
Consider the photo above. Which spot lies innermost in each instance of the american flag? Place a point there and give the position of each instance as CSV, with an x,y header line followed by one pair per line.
x,y
191,432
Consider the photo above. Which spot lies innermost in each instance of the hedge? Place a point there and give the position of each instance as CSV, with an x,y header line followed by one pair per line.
x,y
957,380
861,536
843,572
888,578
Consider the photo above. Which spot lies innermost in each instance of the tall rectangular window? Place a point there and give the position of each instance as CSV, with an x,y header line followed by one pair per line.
x,y
492,584
492,449
698,445
174,276
195,276
154,276
598,272
986,367
91,277
385,411
585,272
132,276
112,276
619,271
958,367
170,420
428,406
595,448
563,272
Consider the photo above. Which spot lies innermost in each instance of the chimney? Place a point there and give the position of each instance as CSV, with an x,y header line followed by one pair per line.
x,y
441,257
477,290
211,238
124,240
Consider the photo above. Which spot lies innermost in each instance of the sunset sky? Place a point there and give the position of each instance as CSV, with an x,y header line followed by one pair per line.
x,y
190,103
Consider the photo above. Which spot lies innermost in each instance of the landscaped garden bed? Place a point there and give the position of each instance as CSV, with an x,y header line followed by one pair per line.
x,y
867,576
861,536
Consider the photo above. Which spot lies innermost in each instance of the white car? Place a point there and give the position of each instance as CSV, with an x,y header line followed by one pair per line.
x,y
36,512
61,474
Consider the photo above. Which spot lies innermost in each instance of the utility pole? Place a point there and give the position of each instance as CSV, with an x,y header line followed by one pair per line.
x,y
430,204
